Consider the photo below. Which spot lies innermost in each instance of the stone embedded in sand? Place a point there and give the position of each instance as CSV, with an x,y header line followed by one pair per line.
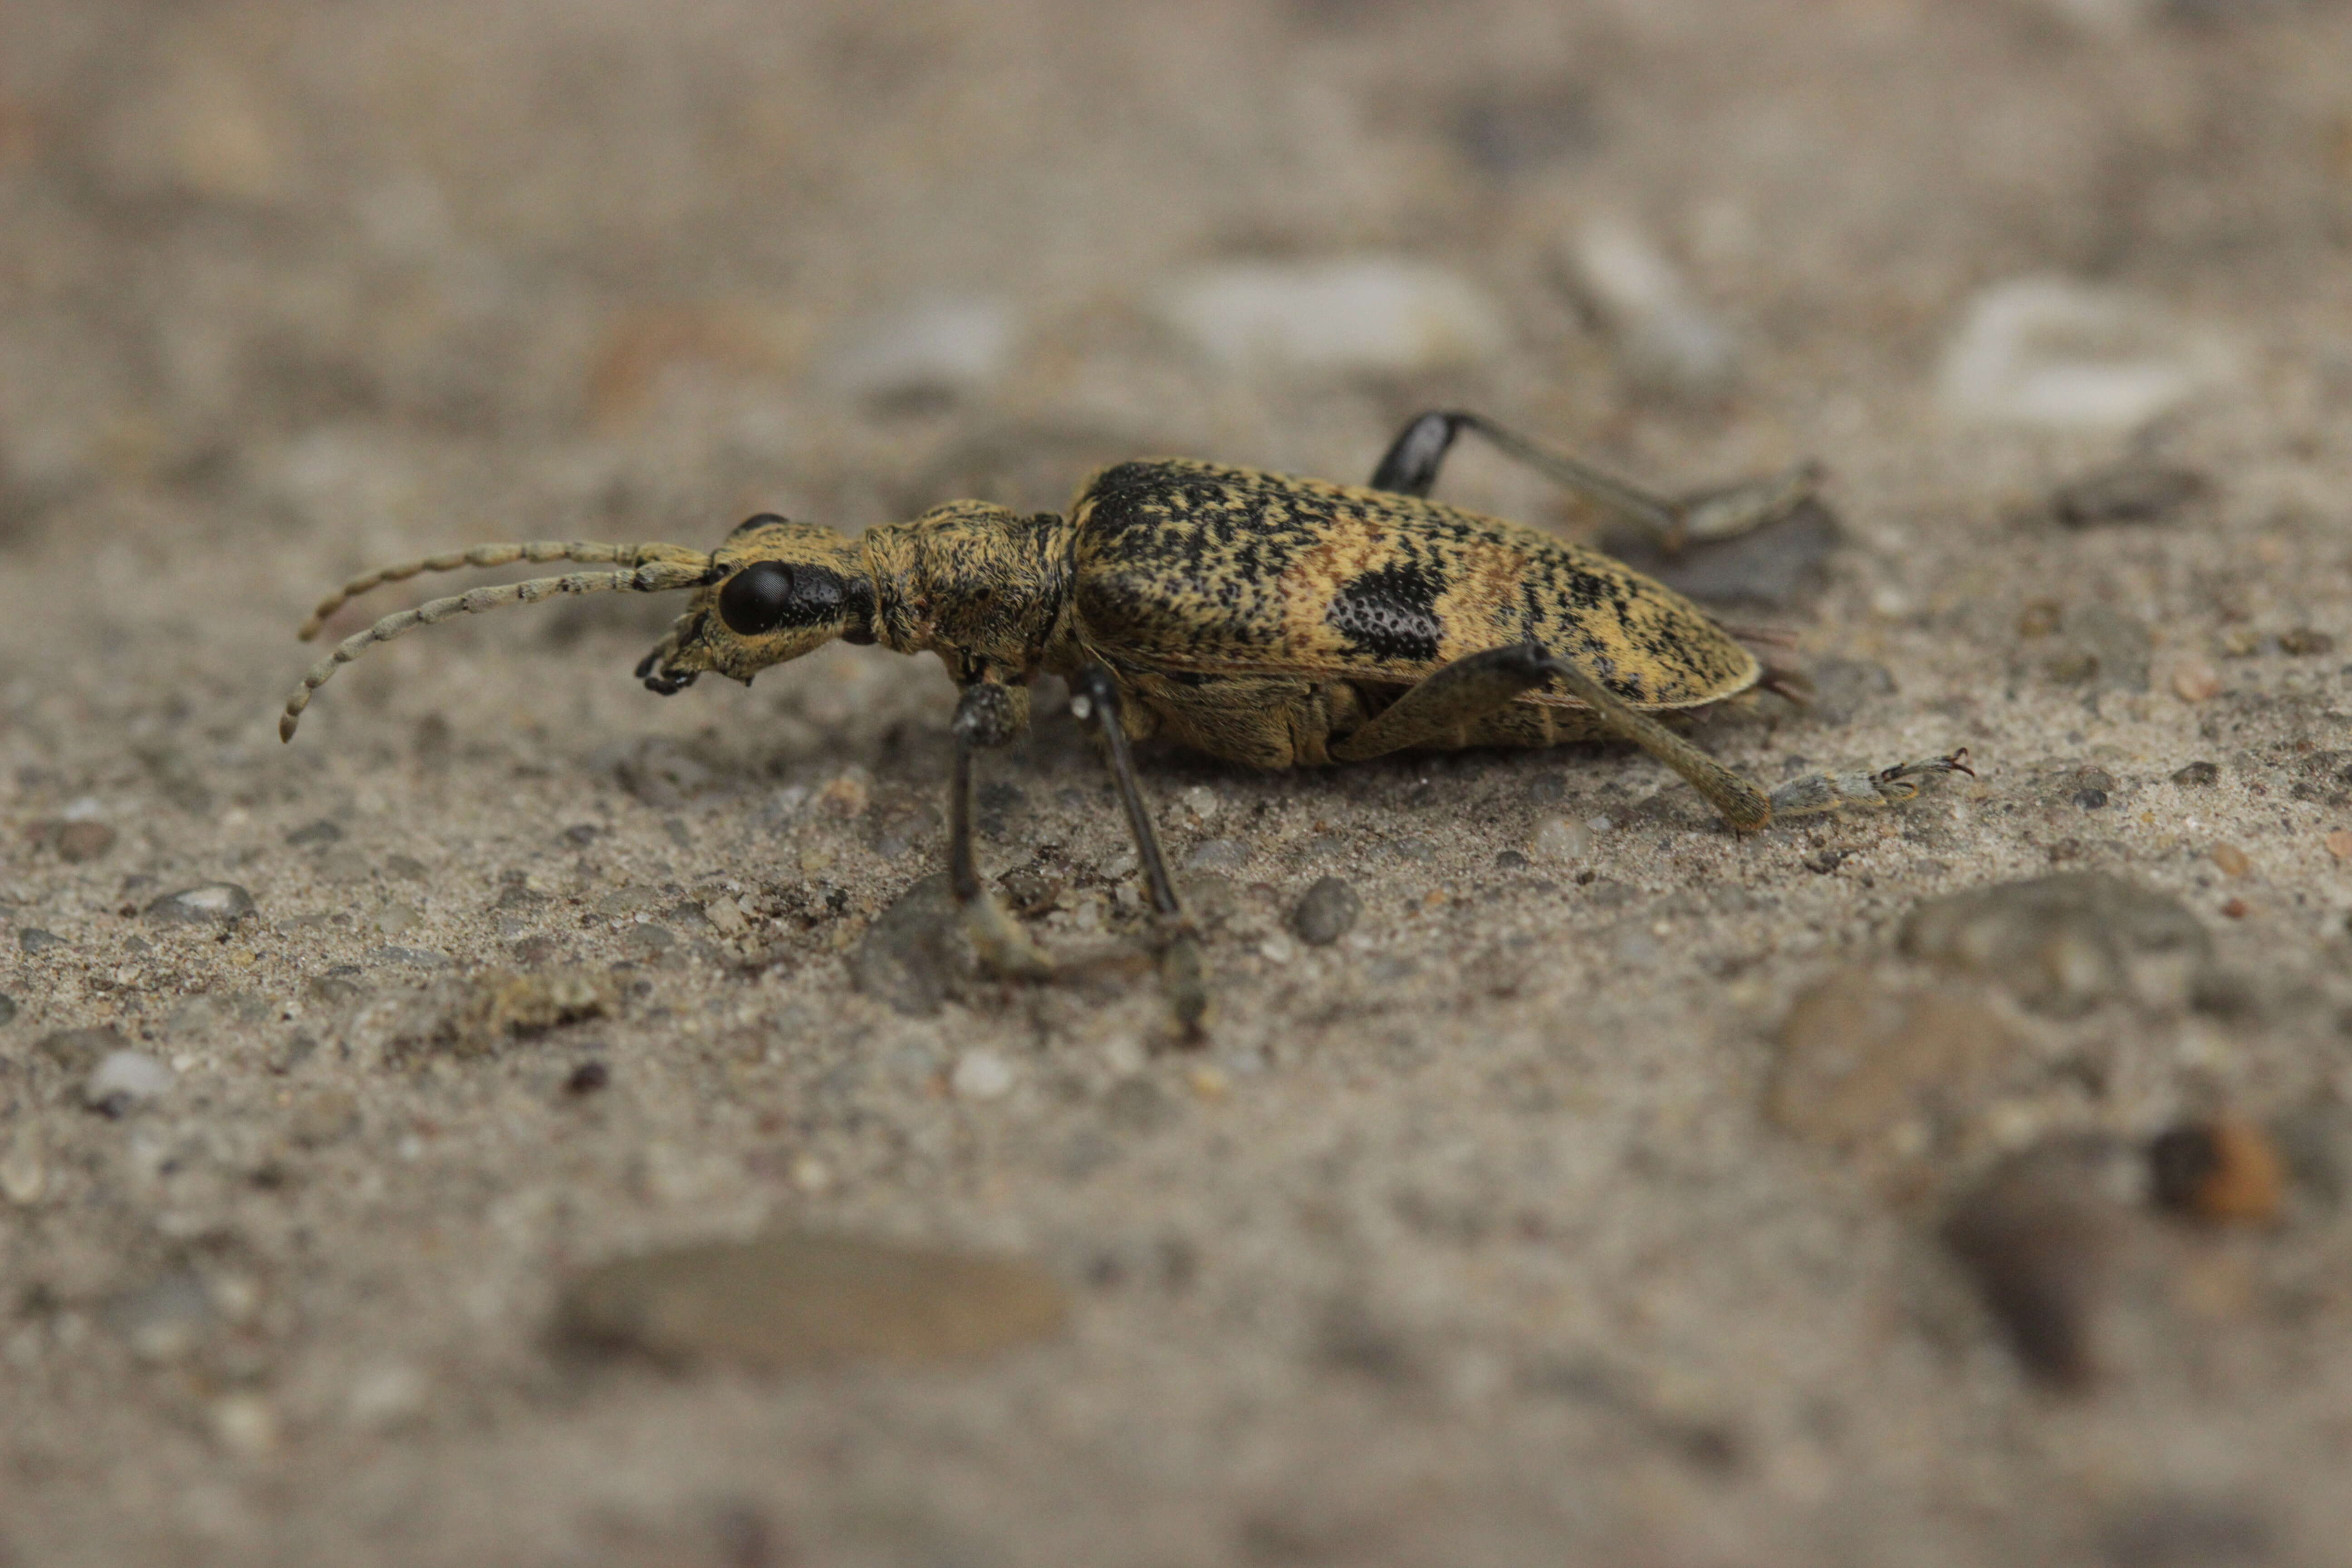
x,y
1665,341
33,939
2063,944
2197,775
211,903
1327,911
796,1301
2056,354
1862,1063
79,1050
2194,680
2230,859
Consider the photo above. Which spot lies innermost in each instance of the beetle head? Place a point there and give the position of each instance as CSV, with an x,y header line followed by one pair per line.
x,y
775,590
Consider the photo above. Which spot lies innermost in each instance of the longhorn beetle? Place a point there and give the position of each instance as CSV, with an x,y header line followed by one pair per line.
x,y
1258,618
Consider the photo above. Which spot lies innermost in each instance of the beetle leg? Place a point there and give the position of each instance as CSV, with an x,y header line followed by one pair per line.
x,y
1888,786
1095,696
1448,699
988,714
1414,458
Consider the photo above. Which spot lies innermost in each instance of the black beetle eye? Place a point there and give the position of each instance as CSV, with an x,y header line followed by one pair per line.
x,y
757,598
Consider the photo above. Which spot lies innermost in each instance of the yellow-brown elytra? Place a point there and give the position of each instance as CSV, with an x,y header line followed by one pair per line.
x,y
1256,616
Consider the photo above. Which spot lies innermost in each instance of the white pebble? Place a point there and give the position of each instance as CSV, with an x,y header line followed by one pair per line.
x,y
936,346
980,1075
126,1079
1557,838
1277,949
1666,340
2055,354
1367,313
1201,801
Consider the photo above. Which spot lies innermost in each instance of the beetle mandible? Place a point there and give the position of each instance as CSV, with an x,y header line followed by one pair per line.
x,y
1256,616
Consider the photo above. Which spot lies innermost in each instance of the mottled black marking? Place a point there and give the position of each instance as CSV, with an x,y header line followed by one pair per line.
x,y
1391,614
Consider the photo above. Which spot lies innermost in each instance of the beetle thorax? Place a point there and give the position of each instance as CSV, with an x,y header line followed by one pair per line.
x,y
978,584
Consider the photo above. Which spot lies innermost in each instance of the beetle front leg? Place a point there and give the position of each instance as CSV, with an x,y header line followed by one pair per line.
x,y
988,715
1095,695
1888,786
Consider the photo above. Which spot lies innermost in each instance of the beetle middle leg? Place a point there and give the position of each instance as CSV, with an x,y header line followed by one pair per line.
x,y
1412,463
1095,696
988,715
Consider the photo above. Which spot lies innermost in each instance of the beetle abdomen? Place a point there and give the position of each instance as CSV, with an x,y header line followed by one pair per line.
x,y
1190,565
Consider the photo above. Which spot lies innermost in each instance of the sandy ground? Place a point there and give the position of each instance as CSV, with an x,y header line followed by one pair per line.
x,y
1537,1218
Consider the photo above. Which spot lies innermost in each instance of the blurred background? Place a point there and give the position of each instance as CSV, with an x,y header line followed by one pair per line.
x,y
1476,1225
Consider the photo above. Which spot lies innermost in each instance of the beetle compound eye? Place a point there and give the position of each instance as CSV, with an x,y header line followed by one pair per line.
x,y
757,599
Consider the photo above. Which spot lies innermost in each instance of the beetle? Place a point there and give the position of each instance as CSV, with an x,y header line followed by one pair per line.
x,y
1259,617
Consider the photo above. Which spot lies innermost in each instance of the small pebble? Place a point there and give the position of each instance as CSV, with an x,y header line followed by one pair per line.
x,y
80,1050
2197,775
2091,799
1201,801
2340,844
798,1300
587,1078
2225,1170
2237,909
980,1075
2230,858
33,939
1327,911
211,903
83,841
124,1081
1371,314
2194,680
323,831
1559,838
2302,642
7,1008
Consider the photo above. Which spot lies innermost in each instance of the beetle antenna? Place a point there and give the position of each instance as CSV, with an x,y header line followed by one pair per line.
x,y
660,576
586,553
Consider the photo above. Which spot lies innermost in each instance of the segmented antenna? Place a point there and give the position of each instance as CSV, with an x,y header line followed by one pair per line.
x,y
675,568
586,553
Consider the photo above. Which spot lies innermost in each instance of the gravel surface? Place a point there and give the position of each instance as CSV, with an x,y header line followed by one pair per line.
x,y
1562,1181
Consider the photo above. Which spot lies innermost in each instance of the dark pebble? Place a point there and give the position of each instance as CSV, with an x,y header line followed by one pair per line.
x,y
211,903
1511,860
2091,799
33,939
2303,641
2129,491
2196,775
7,1008
2041,1239
587,1078
583,833
799,1301
2225,1169
320,832
1327,912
